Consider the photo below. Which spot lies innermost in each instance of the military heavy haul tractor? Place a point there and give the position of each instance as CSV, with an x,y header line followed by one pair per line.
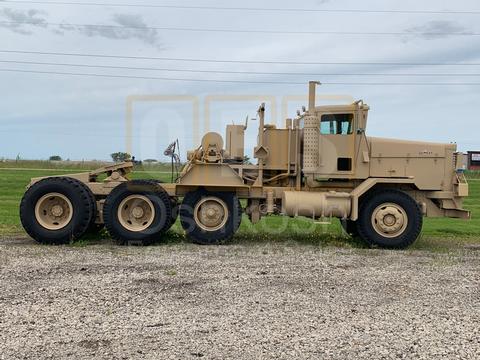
x,y
320,165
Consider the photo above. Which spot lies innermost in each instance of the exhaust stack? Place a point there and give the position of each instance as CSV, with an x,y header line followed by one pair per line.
x,y
312,85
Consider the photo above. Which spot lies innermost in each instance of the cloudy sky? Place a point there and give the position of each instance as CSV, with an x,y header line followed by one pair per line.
x,y
143,52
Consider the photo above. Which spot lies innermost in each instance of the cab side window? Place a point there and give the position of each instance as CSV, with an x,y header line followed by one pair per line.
x,y
336,124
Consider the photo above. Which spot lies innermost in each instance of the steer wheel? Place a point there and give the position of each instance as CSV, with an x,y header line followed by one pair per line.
x,y
390,219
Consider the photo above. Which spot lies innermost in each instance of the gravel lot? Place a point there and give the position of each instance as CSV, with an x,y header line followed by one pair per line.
x,y
239,301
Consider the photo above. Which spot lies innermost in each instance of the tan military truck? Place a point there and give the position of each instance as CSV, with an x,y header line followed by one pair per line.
x,y
321,165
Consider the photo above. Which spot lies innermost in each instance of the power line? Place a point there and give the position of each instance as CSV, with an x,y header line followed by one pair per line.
x,y
242,31
231,72
239,81
192,7
235,61
91,134
153,78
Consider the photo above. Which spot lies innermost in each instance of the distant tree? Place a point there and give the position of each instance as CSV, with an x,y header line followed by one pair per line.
x,y
246,160
150,161
55,158
120,156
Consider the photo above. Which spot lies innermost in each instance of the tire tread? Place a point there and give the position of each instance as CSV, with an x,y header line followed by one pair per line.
x,y
151,186
86,197
404,240
201,237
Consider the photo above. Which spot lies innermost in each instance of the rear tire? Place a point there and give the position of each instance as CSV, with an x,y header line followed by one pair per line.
x,y
175,210
137,212
390,219
210,218
57,210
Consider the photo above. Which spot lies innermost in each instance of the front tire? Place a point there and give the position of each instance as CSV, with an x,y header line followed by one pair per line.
x,y
210,218
137,212
390,219
57,210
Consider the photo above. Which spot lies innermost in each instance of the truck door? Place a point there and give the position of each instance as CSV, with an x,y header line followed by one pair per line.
x,y
337,144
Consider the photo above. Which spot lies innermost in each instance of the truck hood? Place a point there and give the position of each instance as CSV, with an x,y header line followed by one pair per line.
x,y
382,147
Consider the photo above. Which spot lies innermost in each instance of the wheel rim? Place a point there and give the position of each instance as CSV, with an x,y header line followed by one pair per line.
x,y
136,213
389,220
211,213
53,211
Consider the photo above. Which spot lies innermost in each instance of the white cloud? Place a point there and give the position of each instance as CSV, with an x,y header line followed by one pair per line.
x,y
19,21
24,21
438,29
135,28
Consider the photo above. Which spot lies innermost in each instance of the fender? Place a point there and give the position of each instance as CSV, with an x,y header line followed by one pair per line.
x,y
369,184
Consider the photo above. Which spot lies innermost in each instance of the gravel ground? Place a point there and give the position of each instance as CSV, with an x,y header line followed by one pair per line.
x,y
241,301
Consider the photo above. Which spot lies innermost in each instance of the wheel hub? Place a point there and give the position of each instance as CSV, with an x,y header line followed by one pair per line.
x,y
389,220
136,213
57,210
53,211
211,213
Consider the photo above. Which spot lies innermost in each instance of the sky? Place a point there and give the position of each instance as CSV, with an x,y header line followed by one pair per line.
x,y
85,117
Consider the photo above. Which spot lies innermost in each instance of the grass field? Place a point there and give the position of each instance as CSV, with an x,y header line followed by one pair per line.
x,y
74,165
437,233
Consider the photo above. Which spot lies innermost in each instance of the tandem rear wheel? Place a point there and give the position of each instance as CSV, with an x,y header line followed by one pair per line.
x,y
138,212
210,218
57,210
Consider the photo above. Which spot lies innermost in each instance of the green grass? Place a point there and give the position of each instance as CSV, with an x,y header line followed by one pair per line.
x,y
472,175
12,187
54,165
76,166
453,227
438,234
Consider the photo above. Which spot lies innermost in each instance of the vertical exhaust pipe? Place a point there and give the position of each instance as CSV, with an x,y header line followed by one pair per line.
x,y
312,86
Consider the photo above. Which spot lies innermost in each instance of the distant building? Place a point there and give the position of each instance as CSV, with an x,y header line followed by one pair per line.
x,y
473,160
